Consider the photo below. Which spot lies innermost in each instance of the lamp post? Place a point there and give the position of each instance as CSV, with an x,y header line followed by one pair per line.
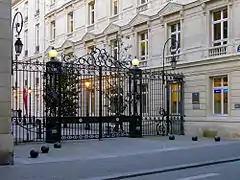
x,y
53,98
135,70
18,45
87,85
173,50
136,128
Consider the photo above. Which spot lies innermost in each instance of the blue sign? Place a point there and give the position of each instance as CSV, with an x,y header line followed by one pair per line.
x,y
238,48
216,91
237,106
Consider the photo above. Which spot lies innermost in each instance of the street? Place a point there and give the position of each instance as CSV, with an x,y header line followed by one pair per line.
x,y
228,171
116,158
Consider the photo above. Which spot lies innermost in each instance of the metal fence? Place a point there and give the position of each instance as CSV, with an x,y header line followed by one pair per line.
x,y
93,97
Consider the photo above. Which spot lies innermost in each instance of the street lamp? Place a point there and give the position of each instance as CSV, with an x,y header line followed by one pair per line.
x,y
18,44
87,84
173,51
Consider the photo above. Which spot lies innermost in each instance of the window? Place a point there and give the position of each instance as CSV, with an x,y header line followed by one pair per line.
x,y
37,5
115,7
219,27
220,95
26,10
52,30
175,34
26,41
175,98
70,22
37,37
143,1
114,49
52,2
143,45
91,6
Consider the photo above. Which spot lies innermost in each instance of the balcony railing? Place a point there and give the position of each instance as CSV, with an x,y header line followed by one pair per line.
x,y
169,58
142,7
198,54
217,51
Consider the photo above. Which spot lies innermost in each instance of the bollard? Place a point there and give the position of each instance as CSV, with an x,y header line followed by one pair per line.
x,y
34,153
57,145
45,149
171,137
217,139
194,138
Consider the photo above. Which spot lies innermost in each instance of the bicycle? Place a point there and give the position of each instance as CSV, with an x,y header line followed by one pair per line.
x,y
161,126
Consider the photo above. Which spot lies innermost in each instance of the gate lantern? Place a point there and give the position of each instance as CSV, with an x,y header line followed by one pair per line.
x,y
136,123
53,98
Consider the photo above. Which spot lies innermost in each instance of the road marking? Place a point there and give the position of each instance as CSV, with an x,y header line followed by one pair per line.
x,y
202,176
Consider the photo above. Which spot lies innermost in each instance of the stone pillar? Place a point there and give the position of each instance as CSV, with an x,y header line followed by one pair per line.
x,y
6,139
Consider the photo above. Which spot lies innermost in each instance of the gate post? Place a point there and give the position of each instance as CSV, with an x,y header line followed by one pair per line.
x,y
168,108
53,98
100,104
136,123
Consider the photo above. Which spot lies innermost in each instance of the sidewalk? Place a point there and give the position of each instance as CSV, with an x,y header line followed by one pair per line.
x,y
116,158
108,148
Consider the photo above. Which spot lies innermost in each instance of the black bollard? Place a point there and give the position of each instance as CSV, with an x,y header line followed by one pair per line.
x,y
45,149
194,138
34,153
171,137
217,139
57,145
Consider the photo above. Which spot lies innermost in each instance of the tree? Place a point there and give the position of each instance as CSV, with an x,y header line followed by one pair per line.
x,y
62,93
118,101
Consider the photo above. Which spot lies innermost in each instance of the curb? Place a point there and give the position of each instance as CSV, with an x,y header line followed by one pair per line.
x,y
169,169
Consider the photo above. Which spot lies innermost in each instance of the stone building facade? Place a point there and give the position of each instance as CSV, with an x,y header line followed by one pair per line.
x,y
208,55
6,139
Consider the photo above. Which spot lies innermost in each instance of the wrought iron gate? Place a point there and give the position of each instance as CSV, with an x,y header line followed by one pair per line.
x,y
93,97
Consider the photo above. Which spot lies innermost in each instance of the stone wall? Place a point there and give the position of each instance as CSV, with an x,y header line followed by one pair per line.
x,y
198,78
6,140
